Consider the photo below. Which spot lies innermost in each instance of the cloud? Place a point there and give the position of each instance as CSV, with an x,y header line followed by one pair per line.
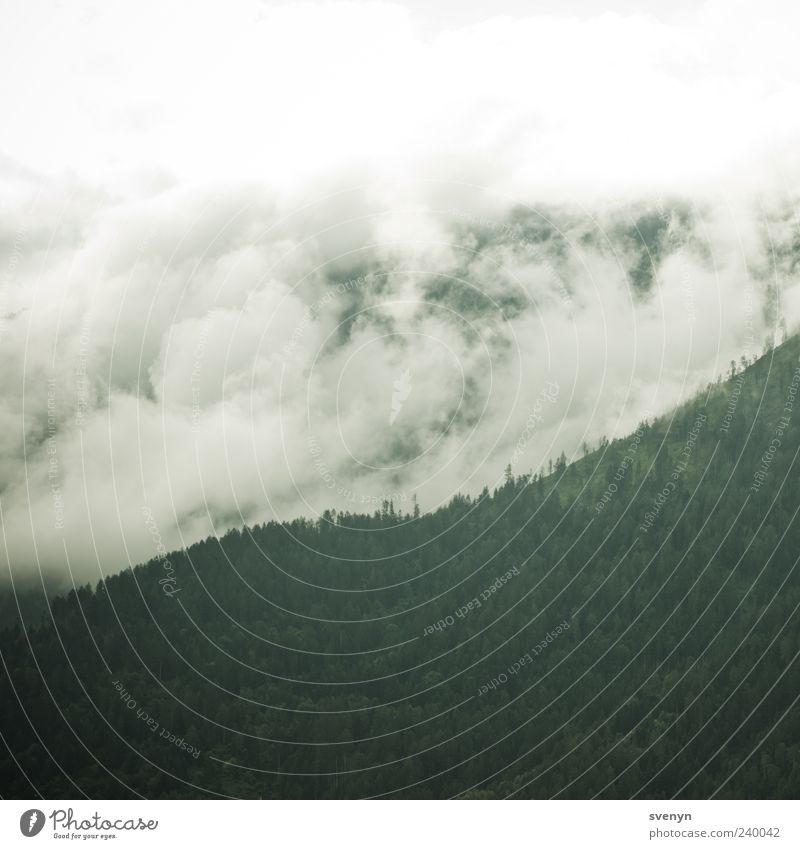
x,y
242,240
288,93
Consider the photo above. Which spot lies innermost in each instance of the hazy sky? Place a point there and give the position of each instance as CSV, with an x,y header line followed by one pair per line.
x,y
123,93
263,259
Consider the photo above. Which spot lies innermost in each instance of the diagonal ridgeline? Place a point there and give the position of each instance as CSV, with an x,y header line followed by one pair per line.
x,y
626,626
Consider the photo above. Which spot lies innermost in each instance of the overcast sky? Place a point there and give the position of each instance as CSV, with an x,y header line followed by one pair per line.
x,y
263,259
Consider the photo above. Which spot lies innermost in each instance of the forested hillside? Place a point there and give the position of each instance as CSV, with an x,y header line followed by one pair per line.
x,y
624,626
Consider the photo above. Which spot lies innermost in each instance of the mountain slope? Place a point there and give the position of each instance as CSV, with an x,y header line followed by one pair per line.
x,y
627,626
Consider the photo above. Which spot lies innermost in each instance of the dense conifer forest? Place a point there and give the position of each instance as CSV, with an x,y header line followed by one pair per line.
x,y
625,625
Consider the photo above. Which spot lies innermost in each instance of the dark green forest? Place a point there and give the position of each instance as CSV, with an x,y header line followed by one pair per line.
x,y
624,625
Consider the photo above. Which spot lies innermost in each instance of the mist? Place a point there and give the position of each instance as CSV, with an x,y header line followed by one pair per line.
x,y
214,315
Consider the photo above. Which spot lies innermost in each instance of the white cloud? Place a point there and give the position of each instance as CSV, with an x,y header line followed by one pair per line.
x,y
188,260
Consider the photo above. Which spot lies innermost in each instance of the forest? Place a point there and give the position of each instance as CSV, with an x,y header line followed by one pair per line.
x,y
624,625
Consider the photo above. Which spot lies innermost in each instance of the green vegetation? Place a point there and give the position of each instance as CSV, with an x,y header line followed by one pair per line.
x,y
626,626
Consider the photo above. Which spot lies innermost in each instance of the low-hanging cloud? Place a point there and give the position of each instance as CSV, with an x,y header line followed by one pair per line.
x,y
367,318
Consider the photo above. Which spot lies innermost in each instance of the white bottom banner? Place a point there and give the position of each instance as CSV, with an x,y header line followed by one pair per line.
x,y
400,824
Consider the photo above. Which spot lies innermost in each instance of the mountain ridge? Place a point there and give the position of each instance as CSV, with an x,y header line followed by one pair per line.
x,y
362,655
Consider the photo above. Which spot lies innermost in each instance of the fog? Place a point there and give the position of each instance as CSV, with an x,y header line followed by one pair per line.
x,y
284,259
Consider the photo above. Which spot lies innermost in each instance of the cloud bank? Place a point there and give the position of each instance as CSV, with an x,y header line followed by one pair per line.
x,y
272,260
